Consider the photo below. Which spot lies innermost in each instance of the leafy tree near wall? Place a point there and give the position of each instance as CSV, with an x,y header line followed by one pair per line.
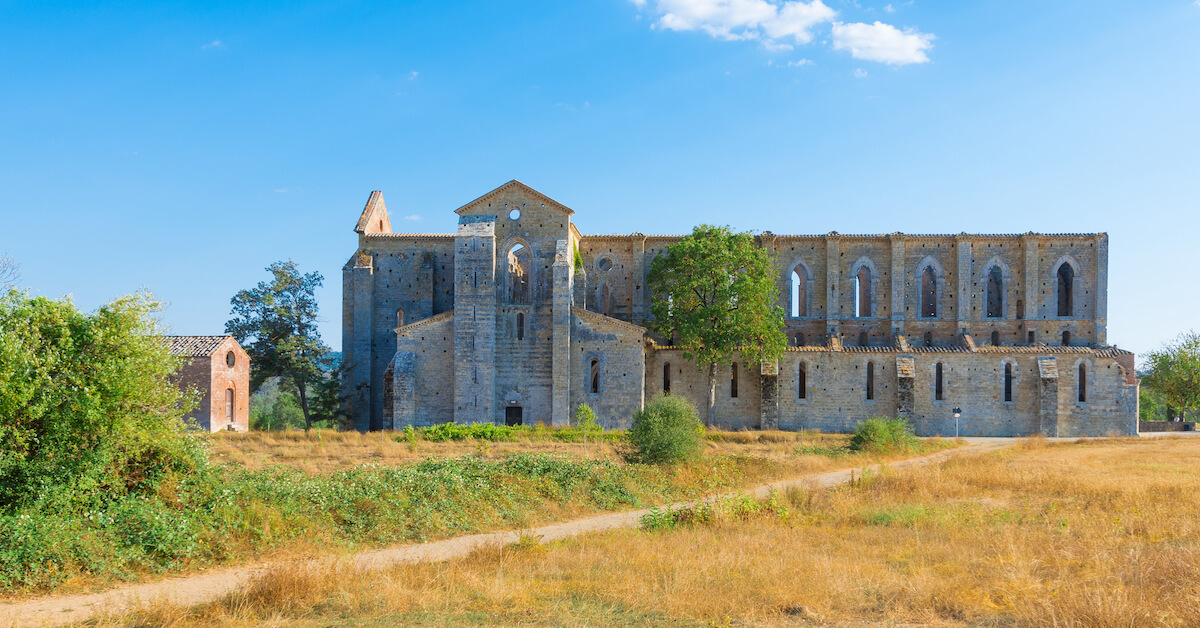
x,y
1174,372
714,291
276,322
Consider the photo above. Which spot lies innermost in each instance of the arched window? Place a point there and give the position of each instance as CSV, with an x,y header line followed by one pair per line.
x,y
1066,288
928,339
862,293
520,325
799,298
870,381
995,293
399,318
1082,383
733,380
799,339
1008,381
802,377
667,378
518,273
1020,309
230,359
595,376
863,339
995,339
1066,339
605,300
937,382
929,293
229,405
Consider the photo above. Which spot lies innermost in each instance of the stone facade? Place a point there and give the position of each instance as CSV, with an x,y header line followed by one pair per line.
x,y
518,317
219,369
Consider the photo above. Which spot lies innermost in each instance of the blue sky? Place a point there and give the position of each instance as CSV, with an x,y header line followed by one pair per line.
x,y
183,147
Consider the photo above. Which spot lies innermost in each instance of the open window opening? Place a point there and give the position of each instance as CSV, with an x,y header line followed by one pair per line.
x,y
519,265
929,293
1066,288
995,293
870,381
938,385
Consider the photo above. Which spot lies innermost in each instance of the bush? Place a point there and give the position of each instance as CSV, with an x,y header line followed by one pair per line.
x,y
88,413
666,431
881,435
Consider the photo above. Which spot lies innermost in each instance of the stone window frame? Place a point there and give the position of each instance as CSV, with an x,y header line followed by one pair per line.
x,y
939,277
801,268
600,259
601,286
874,270
602,365
1016,379
870,382
230,359
230,403
802,367
945,382
505,284
1088,382
1006,279
735,377
1077,304
666,377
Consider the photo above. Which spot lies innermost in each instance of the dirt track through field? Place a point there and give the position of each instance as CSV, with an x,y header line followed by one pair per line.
x,y
214,584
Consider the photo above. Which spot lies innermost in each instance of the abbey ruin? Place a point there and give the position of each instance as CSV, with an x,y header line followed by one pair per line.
x,y
519,318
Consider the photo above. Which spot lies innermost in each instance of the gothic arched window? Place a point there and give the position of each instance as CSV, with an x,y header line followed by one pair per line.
x,y
929,293
1066,290
863,295
518,267
995,293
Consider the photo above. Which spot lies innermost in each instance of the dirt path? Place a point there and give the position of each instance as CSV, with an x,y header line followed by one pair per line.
x,y
198,588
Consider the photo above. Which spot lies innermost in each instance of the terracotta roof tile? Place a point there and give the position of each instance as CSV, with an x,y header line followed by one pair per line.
x,y
194,346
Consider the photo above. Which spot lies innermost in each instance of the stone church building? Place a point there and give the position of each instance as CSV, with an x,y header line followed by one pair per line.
x,y
518,318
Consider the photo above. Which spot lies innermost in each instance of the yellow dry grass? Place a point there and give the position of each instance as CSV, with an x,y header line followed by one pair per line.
x,y
1097,533
321,451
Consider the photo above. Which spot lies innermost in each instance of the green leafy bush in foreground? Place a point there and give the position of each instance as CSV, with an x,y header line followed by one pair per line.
x,y
666,431
883,435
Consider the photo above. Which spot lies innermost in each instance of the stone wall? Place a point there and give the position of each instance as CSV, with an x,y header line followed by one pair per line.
x,y
617,349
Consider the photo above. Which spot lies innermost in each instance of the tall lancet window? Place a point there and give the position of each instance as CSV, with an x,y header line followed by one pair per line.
x,y
995,293
518,274
863,295
799,300
929,293
1066,288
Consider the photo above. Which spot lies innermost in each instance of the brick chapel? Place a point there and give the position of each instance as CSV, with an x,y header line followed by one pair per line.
x,y
219,369
518,318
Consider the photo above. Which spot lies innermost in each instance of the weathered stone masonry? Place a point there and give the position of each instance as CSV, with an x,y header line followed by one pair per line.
x,y
496,323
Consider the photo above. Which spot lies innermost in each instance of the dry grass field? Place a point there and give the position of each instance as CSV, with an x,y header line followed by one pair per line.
x,y
1096,533
322,451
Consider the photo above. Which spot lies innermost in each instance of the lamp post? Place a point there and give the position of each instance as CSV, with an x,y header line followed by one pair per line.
x,y
957,413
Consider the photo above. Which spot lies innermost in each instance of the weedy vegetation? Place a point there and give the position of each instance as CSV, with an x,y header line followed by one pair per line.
x,y
1095,533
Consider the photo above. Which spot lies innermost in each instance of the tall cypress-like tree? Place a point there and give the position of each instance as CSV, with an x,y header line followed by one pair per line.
x,y
276,323
714,291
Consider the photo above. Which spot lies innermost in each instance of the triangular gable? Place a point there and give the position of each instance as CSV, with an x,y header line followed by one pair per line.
x,y
374,217
511,187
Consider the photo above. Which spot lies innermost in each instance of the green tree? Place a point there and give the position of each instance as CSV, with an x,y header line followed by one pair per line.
x,y
1174,372
714,291
276,323
88,411
666,431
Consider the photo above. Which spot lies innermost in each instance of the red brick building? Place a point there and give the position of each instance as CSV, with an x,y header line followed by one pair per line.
x,y
219,368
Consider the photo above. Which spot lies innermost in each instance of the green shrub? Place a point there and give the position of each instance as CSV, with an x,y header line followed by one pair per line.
x,y
883,435
666,431
88,412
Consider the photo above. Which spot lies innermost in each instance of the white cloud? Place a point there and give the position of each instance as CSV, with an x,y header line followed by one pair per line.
x,y
891,9
733,20
412,217
412,76
882,42
216,43
801,63
860,73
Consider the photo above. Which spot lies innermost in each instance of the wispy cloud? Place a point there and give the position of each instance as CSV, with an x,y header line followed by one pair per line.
x,y
412,76
281,190
860,73
412,217
213,45
882,42
780,25
801,63
775,24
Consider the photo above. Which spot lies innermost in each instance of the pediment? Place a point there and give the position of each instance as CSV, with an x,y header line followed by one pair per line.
x,y
513,188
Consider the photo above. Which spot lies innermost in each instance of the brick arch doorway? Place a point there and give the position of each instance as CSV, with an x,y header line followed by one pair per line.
x,y
514,415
